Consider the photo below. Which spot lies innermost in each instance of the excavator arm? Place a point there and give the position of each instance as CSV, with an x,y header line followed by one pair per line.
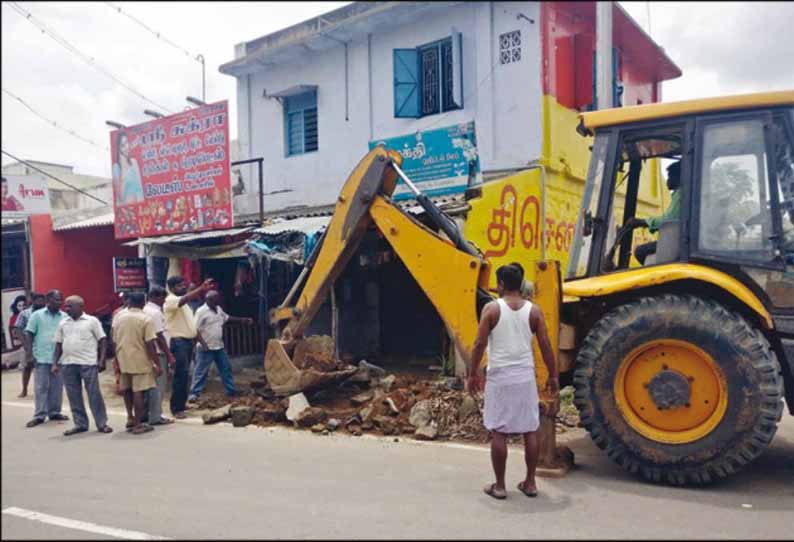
x,y
452,273
449,270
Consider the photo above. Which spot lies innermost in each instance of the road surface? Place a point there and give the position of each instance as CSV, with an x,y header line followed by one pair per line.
x,y
193,481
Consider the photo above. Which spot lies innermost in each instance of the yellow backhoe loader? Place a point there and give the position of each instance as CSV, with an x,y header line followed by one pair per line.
x,y
680,365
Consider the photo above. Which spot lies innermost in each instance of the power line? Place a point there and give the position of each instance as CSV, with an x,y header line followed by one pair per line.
x,y
74,50
103,202
157,34
54,123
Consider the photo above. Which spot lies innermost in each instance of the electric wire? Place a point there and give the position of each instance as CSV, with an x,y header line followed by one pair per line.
x,y
54,123
103,202
83,56
157,34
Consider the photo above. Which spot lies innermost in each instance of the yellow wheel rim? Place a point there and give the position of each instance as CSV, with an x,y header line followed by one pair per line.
x,y
671,391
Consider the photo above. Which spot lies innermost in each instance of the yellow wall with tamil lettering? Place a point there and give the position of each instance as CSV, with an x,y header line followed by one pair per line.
x,y
505,222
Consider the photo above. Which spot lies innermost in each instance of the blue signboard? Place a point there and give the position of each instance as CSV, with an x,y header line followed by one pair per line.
x,y
440,162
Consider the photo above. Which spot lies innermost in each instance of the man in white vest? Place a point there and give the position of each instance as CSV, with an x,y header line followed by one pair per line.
x,y
507,326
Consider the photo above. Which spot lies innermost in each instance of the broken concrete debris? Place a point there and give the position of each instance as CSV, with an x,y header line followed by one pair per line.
x,y
241,415
362,398
366,413
393,410
426,432
387,382
297,404
333,424
467,407
318,428
373,369
420,414
311,416
217,415
401,404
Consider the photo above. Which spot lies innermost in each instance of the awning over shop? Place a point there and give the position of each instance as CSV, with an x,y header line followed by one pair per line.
x,y
288,240
307,225
187,237
175,246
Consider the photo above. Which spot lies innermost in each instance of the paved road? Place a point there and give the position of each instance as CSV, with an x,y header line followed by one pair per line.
x,y
194,481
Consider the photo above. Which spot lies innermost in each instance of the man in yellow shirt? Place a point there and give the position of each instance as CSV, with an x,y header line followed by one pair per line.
x,y
134,336
181,328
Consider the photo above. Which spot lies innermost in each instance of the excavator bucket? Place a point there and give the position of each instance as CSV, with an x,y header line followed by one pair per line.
x,y
312,365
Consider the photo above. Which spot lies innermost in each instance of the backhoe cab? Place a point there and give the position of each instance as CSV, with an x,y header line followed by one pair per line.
x,y
682,344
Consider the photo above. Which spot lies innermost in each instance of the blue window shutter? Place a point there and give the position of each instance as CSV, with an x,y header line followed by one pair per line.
x,y
406,83
294,133
300,123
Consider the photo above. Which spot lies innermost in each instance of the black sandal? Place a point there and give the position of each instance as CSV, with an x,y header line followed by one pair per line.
x,y
490,490
74,431
105,429
141,429
525,492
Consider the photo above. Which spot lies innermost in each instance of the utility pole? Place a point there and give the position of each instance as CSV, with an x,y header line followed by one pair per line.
x,y
200,58
604,55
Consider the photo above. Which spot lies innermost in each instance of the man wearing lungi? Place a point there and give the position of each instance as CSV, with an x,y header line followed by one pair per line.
x,y
507,326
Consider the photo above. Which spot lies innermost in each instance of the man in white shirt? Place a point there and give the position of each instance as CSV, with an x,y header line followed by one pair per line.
x,y
209,326
507,329
153,398
80,353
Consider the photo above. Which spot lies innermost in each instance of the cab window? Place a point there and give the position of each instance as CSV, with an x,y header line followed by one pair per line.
x,y
735,217
784,168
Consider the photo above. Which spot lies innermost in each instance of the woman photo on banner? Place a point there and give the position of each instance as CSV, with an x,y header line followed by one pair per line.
x,y
126,174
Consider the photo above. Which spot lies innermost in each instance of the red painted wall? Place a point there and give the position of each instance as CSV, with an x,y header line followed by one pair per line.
x,y
76,261
568,41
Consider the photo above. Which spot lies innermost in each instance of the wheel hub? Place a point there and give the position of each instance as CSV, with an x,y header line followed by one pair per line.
x,y
669,389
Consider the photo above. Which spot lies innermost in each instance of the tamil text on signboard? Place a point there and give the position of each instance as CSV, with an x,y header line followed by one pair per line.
x,y
171,175
441,161
129,274
23,195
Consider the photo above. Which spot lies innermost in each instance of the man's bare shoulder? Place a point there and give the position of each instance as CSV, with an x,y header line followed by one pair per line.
x,y
492,307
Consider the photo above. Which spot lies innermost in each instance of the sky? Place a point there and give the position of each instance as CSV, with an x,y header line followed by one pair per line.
x,y
721,47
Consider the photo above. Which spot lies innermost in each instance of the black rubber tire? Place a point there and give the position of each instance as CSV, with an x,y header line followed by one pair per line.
x,y
755,388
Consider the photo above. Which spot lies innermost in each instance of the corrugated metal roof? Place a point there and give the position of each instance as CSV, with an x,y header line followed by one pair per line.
x,y
185,237
101,220
305,224
311,224
442,202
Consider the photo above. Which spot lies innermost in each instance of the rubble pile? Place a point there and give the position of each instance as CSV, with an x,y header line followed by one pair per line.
x,y
381,403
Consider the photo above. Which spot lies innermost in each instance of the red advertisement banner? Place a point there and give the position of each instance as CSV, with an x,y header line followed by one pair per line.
x,y
129,274
171,175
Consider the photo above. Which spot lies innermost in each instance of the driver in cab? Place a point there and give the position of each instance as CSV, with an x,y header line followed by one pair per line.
x,y
673,212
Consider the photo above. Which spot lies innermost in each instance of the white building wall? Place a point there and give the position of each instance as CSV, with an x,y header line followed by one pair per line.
x,y
503,100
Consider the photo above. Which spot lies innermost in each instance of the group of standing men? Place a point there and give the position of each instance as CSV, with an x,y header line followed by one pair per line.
x,y
68,350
